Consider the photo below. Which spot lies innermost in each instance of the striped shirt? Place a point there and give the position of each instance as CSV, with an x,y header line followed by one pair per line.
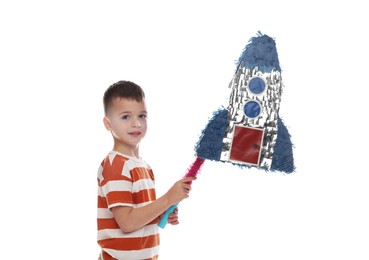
x,y
125,181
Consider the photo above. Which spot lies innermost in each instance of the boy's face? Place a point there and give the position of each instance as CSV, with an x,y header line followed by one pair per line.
x,y
127,121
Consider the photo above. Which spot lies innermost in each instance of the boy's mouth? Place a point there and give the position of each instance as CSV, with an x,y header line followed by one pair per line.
x,y
136,133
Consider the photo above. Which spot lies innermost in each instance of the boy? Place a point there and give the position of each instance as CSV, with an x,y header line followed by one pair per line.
x,y
128,210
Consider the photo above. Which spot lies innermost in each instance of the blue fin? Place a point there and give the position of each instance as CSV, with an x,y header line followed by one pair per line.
x,y
210,143
283,155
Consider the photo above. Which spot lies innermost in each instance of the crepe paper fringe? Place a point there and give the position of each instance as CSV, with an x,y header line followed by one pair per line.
x,y
194,169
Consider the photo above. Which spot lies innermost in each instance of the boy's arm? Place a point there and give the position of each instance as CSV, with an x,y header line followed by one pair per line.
x,y
130,219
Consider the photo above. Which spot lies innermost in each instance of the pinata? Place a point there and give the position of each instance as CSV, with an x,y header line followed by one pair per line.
x,y
249,132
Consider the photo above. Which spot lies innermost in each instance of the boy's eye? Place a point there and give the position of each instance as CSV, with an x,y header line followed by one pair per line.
x,y
125,117
143,116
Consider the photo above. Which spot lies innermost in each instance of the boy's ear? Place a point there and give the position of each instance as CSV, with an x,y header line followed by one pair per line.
x,y
107,123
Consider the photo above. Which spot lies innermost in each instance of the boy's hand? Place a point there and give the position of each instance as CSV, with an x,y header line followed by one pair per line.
x,y
180,190
173,218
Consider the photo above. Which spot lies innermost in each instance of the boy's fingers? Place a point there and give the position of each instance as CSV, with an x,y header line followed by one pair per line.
x,y
188,179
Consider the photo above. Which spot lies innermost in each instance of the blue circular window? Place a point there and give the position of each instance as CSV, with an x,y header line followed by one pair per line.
x,y
257,85
252,109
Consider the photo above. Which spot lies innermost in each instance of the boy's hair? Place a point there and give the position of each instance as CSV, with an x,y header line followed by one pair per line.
x,y
122,89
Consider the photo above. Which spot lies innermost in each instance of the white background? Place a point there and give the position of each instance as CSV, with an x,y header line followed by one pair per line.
x,y
58,57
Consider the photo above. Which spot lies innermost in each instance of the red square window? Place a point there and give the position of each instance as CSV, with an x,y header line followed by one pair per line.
x,y
246,145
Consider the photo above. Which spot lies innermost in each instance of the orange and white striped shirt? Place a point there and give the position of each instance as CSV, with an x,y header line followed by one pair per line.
x,y
125,181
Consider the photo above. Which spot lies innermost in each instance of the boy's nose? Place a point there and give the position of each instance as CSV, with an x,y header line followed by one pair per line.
x,y
136,122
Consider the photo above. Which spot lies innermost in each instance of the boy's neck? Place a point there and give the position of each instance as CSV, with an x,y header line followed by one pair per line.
x,y
130,152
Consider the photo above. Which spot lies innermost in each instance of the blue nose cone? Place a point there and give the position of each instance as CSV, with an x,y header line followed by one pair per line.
x,y
260,53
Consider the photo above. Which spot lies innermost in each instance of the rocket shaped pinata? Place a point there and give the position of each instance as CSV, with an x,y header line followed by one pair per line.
x,y
250,132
